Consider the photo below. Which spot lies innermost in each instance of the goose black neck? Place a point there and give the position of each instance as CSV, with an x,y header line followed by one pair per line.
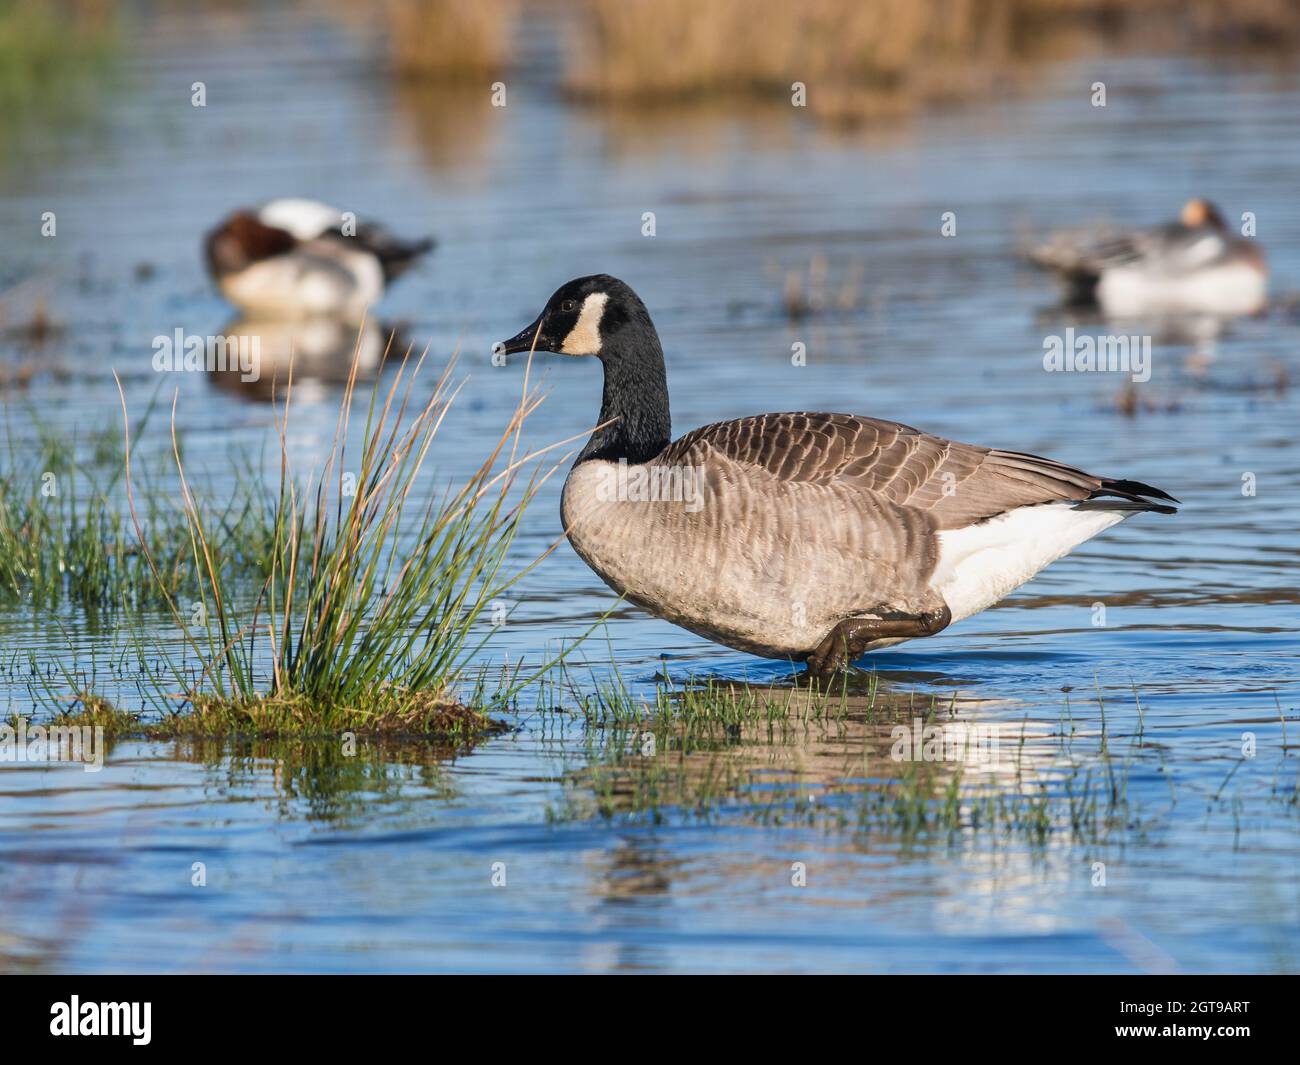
x,y
635,399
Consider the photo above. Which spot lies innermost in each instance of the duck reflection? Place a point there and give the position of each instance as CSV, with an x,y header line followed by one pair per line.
x,y
321,351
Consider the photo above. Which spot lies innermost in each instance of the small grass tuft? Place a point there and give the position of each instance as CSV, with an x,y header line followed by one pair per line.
x,y
776,755
65,536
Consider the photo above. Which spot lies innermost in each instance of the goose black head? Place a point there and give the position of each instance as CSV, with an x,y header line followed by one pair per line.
x,y
601,316
586,316
1200,212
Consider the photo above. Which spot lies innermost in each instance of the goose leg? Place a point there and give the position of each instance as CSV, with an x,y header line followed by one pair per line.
x,y
852,636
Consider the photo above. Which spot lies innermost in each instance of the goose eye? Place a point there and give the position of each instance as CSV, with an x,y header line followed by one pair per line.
x,y
568,305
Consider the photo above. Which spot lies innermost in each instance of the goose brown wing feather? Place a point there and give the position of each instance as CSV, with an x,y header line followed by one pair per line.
x,y
956,484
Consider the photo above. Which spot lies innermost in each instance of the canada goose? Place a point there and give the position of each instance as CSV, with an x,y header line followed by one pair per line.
x,y
294,258
809,537
1196,265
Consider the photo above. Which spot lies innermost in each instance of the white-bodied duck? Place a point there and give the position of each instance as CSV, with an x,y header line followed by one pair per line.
x,y
296,258
1194,266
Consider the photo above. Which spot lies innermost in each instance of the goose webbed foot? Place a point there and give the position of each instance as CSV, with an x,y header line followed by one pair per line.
x,y
853,636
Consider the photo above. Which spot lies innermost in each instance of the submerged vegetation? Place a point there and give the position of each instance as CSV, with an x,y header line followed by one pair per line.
x,y
862,760
407,714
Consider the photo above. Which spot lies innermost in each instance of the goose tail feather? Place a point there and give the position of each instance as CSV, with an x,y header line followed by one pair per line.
x,y
1129,496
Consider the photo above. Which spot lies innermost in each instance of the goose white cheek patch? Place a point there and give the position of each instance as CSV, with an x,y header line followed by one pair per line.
x,y
584,338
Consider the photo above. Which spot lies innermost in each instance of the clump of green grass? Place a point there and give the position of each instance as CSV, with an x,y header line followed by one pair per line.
x,y
390,712
89,708
65,535
368,615
714,705
609,703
